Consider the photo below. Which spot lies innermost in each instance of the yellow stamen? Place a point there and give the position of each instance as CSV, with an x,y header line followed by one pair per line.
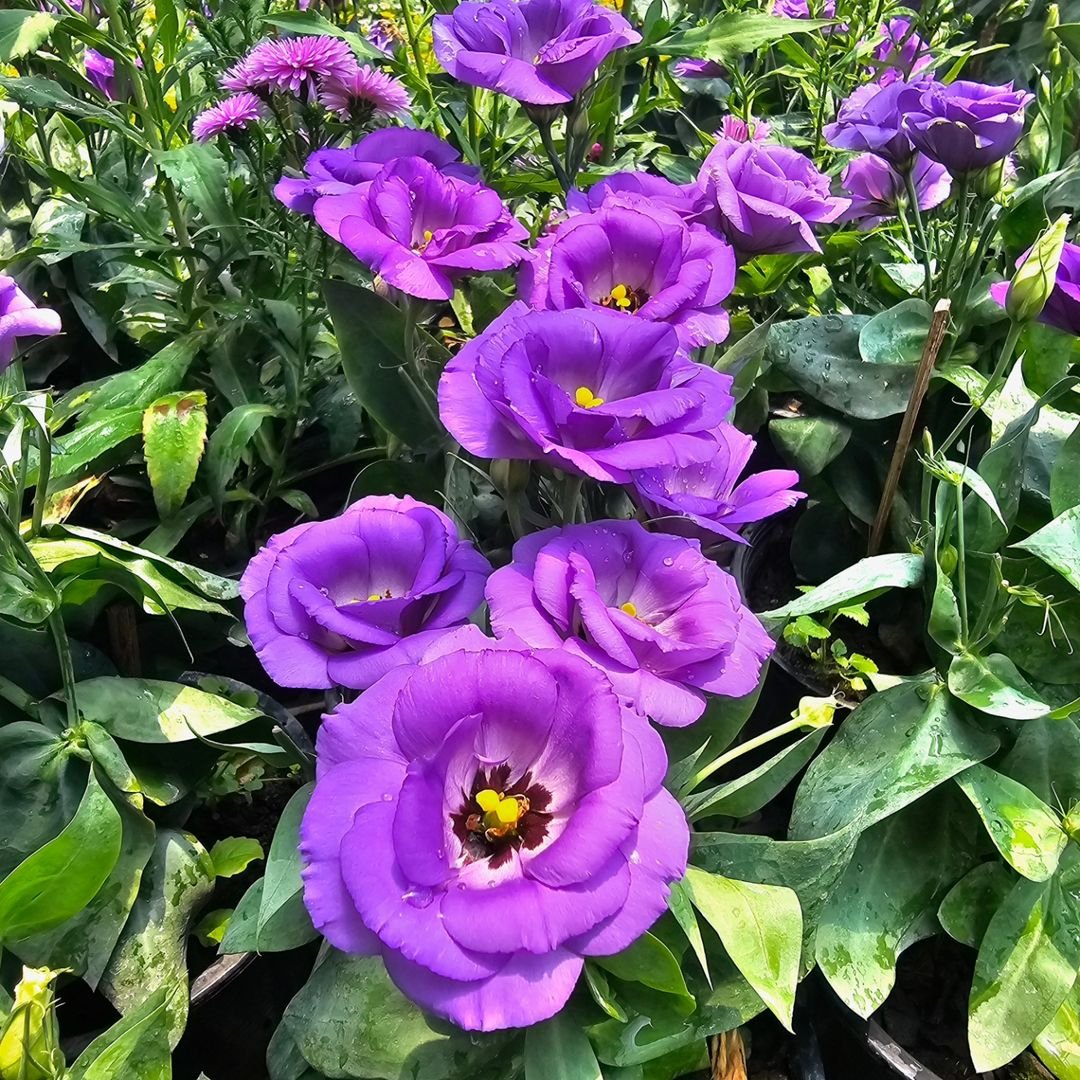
x,y
487,800
630,608
508,811
586,399
374,596
428,234
621,294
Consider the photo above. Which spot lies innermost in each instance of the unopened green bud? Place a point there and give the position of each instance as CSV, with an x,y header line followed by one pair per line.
x,y
987,182
1034,280
947,559
815,712
510,477
29,1041
1053,20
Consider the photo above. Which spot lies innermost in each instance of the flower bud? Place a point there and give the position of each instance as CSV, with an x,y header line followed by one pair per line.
x,y
1034,280
29,1041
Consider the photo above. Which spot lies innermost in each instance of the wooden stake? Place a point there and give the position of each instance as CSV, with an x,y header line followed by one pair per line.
x,y
934,338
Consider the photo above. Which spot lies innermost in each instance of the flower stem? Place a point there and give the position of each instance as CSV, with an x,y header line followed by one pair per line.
x,y
553,154
961,562
778,732
920,228
571,497
41,488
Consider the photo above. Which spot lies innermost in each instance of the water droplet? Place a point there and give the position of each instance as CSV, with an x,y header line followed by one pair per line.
x,y
387,797
669,561
418,898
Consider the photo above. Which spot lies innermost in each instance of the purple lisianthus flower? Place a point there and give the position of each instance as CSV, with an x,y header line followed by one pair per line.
x,y
967,126
765,198
1062,309
540,52
485,821
902,53
664,622
19,317
296,65
234,113
872,119
709,496
800,9
385,36
343,601
101,73
420,230
586,390
733,127
690,67
877,189
363,94
634,188
644,261
337,171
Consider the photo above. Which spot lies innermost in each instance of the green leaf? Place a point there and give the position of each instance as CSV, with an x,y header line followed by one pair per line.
x,y
809,443
210,929
282,884
23,33
288,928
1026,966
59,879
558,1049
1058,1044
234,855
761,929
1058,545
898,874
732,35
821,355
371,334
682,909
896,336
174,436
200,174
1024,829
350,1019
311,22
861,582
151,711
1070,37
136,1047
94,445
227,444
151,953
992,684
1046,759
896,746
649,962
37,92
970,904
1065,476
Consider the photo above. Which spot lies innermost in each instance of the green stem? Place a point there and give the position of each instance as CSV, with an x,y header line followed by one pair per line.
x,y
920,229
957,237
961,563
17,696
747,747
41,488
553,154
571,498
418,59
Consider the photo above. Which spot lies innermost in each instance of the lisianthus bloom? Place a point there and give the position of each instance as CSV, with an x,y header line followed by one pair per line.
x,y
634,188
100,73
1062,309
690,67
340,171
877,189
19,317
588,391
664,622
709,496
800,9
902,52
363,94
733,127
342,601
420,230
765,198
643,261
234,113
486,820
967,125
872,119
296,65
540,52
385,35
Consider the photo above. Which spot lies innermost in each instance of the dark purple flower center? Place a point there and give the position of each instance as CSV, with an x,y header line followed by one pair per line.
x,y
498,817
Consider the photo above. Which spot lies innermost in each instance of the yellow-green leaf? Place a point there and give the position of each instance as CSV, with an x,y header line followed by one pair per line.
x,y
174,437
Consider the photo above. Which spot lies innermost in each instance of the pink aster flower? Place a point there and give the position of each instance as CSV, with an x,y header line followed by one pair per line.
x,y
234,112
240,76
364,93
295,65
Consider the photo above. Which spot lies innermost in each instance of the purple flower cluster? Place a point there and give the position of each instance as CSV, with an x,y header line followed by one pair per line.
x,y
20,317
902,53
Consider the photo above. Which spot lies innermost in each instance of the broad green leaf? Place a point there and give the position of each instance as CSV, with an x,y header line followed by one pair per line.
x,y
761,929
896,336
227,443
1058,545
37,92
234,855
151,955
1065,476
371,333
1070,36
1046,759
1026,966
151,711
896,746
281,883
22,599
94,445
558,1049
210,929
311,22
649,962
350,1019
1024,829
136,1047
174,436
970,904
898,874
943,624
732,35
288,928
821,355
23,32
200,174
682,909
809,443
992,684
858,583
1058,1044
59,879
